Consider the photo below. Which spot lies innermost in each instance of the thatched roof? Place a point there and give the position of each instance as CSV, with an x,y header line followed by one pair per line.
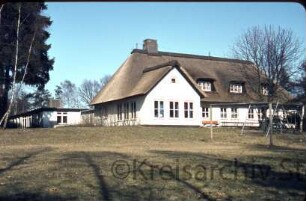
x,y
142,71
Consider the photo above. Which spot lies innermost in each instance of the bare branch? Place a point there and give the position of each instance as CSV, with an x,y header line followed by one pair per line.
x,y
275,53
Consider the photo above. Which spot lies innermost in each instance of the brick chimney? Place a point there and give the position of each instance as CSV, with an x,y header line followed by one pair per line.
x,y
150,46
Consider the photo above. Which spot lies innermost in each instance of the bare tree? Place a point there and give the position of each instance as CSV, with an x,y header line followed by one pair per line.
x,y
104,80
300,82
275,53
69,94
88,90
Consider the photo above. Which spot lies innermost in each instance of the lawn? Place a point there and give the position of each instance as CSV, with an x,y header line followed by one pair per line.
x,y
150,163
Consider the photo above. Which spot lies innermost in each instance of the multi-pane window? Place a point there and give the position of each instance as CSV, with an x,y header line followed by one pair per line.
x,y
133,110
126,110
223,113
205,85
119,112
159,109
62,118
205,112
251,113
260,113
188,109
234,113
236,88
174,109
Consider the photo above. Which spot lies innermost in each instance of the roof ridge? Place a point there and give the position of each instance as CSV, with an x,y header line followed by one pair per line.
x,y
169,63
174,54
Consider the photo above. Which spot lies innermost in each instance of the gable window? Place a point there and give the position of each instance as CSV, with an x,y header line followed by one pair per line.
x,y
159,109
251,113
205,113
119,112
236,88
133,110
174,109
205,85
234,113
62,118
188,109
173,80
223,113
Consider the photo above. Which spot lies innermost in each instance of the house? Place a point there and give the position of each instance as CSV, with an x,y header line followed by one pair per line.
x,y
46,117
152,87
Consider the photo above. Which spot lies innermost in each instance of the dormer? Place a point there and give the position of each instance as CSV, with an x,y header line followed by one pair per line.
x,y
236,87
264,89
206,84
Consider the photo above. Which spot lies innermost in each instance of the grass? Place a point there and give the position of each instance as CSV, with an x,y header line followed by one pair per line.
x,y
150,163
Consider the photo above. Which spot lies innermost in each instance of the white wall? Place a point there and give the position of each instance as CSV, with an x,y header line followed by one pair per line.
x,y
111,117
50,118
242,117
166,91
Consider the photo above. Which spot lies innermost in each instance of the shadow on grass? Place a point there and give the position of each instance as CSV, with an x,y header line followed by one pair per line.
x,y
197,191
281,173
109,187
276,148
28,196
103,187
22,159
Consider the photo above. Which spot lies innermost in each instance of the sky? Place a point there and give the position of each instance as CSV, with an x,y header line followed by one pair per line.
x,y
92,39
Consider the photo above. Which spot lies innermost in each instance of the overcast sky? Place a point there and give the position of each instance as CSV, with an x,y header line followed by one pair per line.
x,y
90,40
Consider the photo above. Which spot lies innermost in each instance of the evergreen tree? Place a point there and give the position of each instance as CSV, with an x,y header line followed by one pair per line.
x,y
32,30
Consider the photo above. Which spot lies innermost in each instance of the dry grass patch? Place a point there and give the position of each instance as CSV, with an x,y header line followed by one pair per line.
x,y
149,163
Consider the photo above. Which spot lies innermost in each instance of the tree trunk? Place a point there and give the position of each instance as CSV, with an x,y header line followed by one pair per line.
x,y
5,87
270,125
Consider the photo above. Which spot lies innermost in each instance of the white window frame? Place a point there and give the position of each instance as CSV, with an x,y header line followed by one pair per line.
x,y
159,109
188,109
236,88
205,112
251,113
223,113
260,113
62,115
234,113
205,85
174,109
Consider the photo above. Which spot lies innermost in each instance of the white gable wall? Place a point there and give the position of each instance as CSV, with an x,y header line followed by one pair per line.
x,y
166,91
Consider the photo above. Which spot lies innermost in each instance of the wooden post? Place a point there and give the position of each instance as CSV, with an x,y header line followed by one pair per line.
x,y
270,124
211,128
302,118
